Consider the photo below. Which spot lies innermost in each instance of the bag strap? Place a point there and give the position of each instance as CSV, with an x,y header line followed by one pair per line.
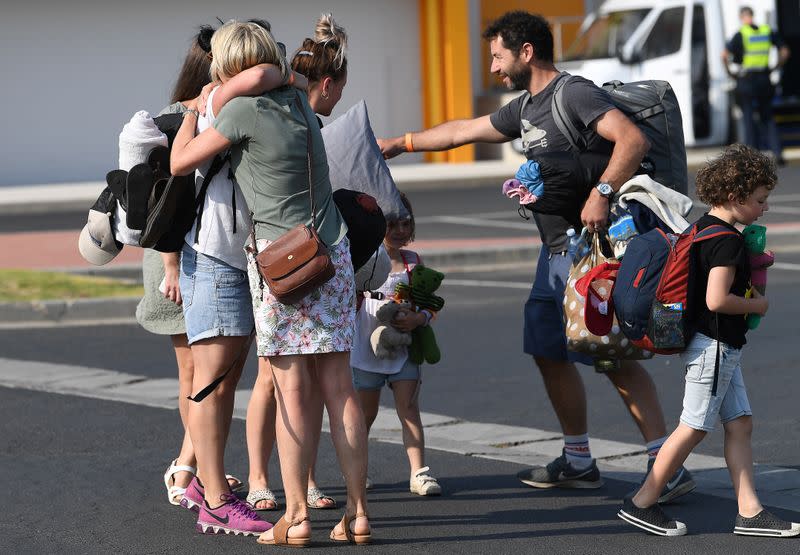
x,y
716,359
714,230
562,119
309,147
200,199
207,390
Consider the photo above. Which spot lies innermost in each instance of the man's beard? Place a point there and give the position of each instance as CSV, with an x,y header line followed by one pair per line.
x,y
520,79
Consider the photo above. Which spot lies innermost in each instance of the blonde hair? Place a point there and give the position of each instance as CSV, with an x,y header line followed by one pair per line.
x,y
237,46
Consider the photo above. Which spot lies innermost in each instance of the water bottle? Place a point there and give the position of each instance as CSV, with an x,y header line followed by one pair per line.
x,y
577,247
572,242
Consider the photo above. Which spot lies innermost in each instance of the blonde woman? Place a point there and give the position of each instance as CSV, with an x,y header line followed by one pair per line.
x,y
306,345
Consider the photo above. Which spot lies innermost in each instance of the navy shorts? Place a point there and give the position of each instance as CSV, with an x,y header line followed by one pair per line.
x,y
544,332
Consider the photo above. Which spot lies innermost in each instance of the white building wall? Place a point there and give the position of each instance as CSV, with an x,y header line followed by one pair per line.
x,y
74,71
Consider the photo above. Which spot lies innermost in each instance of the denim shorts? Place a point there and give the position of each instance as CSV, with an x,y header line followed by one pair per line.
x,y
216,297
544,329
365,381
700,407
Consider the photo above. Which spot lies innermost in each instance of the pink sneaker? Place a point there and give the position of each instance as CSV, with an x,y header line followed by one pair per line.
x,y
233,517
193,496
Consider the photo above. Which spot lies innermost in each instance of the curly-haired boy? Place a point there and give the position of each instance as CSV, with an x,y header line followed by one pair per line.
x,y
736,186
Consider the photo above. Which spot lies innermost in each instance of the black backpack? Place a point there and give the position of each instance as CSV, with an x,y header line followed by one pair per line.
x,y
161,206
653,107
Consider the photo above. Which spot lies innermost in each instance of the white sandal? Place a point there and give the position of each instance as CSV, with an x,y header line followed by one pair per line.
x,y
175,493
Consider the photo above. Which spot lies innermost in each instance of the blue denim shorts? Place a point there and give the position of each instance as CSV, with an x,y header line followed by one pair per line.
x,y
700,407
216,297
544,329
364,381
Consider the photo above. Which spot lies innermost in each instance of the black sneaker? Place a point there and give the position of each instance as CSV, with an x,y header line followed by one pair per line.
x,y
560,474
652,519
765,524
680,484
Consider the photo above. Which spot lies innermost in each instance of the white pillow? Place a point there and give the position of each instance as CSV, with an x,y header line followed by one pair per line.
x,y
355,161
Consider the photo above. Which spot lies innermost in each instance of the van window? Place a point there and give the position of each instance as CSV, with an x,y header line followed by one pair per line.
x,y
606,35
665,37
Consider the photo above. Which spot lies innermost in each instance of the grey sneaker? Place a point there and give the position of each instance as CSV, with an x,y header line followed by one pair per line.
x,y
652,519
765,524
560,474
680,484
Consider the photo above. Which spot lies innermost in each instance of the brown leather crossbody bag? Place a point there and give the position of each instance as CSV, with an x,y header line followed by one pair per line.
x,y
297,262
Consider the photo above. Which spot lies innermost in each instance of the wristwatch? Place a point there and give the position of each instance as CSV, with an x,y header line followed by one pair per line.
x,y
605,190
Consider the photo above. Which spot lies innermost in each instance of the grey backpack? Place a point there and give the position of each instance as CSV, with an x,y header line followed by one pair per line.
x,y
653,107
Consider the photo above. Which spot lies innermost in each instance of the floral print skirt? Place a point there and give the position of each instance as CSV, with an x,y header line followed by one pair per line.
x,y
323,322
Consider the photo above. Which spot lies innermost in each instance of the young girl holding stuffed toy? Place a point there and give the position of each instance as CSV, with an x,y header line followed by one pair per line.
x,y
371,373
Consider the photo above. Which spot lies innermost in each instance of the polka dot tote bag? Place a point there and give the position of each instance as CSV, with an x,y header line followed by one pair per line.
x,y
591,326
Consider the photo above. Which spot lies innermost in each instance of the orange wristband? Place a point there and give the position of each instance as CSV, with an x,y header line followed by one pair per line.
x,y
409,143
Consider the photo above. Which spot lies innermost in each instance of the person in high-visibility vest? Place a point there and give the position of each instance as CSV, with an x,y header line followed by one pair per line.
x,y
750,48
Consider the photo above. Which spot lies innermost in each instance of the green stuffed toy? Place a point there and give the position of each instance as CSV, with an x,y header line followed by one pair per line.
x,y
755,241
424,281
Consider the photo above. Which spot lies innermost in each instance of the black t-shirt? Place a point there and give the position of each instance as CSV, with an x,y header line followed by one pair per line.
x,y
726,250
584,103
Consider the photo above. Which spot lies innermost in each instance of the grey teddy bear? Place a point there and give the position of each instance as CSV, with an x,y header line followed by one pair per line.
x,y
387,341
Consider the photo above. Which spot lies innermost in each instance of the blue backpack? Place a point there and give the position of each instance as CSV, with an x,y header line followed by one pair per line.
x,y
651,291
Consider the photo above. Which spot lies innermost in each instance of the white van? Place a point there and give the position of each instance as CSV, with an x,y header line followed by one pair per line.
x,y
680,41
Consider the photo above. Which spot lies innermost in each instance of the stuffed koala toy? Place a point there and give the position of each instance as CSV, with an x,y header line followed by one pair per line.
x,y
386,340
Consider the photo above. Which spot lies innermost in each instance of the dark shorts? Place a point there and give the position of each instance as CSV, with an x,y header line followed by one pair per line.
x,y
543,332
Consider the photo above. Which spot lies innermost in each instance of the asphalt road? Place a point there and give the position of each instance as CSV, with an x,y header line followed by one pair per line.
x,y
84,475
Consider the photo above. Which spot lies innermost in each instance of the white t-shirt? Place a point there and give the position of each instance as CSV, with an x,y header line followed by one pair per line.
x,y
217,237
362,356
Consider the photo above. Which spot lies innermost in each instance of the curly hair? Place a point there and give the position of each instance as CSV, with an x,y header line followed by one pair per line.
x,y
518,27
738,171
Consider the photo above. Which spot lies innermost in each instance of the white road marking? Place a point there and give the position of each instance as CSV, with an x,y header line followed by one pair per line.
x,y
496,214
517,444
781,266
487,283
783,210
481,222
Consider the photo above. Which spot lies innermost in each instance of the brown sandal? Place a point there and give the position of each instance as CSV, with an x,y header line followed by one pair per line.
x,y
280,534
349,536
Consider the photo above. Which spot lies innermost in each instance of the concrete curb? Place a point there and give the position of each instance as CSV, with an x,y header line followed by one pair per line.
x,y
59,311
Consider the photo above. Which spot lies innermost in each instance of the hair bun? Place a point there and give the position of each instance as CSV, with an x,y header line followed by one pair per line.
x,y
330,32
204,37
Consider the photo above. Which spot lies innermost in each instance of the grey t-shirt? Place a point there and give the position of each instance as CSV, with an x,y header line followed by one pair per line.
x,y
584,103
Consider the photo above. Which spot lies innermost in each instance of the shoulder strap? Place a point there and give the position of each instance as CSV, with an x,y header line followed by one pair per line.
x,y
562,119
715,230
526,96
200,199
308,157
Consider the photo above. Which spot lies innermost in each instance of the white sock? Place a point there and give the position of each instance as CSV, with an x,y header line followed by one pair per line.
x,y
576,449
